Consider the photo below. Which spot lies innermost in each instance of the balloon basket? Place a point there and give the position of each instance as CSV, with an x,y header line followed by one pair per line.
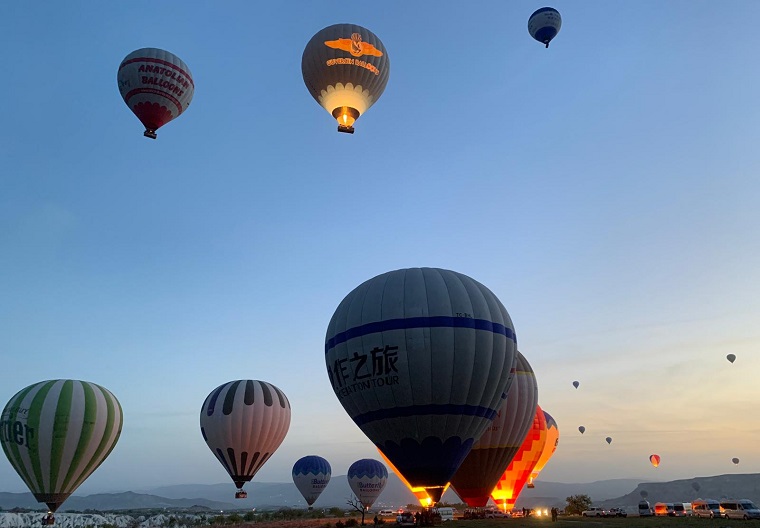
x,y
48,520
346,129
240,494
150,133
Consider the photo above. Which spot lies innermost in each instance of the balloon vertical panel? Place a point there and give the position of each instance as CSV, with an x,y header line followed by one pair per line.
x,y
56,433
420,359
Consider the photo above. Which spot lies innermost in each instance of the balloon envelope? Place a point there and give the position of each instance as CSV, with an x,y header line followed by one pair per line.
x,y
735,460
552,441
56,433
345,68
311,474
243,422
576,384
582,429
156,85
654,460
544,24
731,357
513,480
477,476
420,358
608,440
367,478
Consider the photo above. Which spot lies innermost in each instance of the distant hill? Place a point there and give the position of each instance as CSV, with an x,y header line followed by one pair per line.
x,y
110,501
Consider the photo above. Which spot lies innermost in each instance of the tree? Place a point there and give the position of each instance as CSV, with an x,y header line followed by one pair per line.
x,y
357,505
577,504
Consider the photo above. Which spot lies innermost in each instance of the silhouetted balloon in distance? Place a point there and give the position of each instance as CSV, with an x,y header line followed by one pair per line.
x,y
345,68
695,485
735,460
582,429
731,357
243,422
311,474
576,384
55,433
644,494
420,359
544,24
608,440
156,85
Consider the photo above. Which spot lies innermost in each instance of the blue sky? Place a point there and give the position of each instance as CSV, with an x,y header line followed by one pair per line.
x,y
605,189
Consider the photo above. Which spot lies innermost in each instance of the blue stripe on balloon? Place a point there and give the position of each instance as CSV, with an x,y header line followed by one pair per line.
x,y
546,33
422,410
419,322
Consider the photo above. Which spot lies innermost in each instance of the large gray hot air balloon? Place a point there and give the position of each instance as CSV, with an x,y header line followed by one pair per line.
x,y
345,67
156,85
243,422
477,476
420,359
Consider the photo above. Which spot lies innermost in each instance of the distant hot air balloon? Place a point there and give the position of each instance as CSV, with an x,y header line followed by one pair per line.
x,y
243,422
608,439
56,433
644,494
731,357
544,24
582,429
345,67
695,485
735,460
420,358
576,384
156,85
311,474
367,478
655,460
552,441
513,480
476,477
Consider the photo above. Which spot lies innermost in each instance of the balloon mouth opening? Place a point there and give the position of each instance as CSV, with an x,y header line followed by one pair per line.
x,y
346,117
150,133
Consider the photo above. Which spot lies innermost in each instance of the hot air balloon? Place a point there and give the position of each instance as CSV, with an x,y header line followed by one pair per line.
x,y
367,478
156,85
608,439
420,358
655,460
56,433
552,441
243,422
735,460
695,485
644,494
513,480
492,453
544,24
576,384
582,429
311,474
731,357
345,67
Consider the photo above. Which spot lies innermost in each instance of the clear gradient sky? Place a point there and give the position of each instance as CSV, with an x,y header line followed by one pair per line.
x,y
606,189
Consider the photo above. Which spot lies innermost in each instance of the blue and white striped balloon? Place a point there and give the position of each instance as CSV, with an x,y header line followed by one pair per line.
x,y
544,24
367,478
311,474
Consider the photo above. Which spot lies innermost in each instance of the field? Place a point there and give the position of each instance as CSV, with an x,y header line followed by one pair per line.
x,y
562,522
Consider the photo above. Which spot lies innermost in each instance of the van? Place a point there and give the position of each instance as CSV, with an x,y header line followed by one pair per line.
x,y
739,509
386,513
447,514
680,510
663,509
706,508
645,510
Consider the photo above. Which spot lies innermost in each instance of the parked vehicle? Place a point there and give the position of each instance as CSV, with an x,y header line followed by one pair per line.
x,y
596,511
739,509
495,514
617,512
664,509
706,508
645,510
386,513
680,509
447,514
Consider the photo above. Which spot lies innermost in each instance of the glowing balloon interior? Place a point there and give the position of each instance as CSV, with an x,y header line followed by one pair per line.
x,y
56,433
420,358
156,85
243,422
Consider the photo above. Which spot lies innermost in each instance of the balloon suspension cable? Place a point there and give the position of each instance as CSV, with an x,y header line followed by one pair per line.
x,y
150,133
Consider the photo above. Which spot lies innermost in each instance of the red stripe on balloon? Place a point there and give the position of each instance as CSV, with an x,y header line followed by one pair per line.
x,y
138,91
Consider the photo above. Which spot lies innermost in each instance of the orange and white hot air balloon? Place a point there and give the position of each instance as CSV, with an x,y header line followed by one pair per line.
x,y
552,441
156,85
655,460
514,478
492,453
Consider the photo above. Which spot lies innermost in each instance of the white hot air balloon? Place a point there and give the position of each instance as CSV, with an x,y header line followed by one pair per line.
x,y
243,422
311,474
367,478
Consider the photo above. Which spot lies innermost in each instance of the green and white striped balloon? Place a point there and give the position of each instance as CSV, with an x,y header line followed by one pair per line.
x,y
56,433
